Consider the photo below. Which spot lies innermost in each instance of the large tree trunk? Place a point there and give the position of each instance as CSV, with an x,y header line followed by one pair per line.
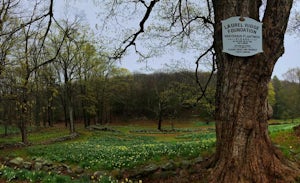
x,y
244,151
23,130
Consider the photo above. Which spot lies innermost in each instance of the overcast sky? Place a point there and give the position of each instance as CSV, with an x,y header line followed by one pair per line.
x,y
88,11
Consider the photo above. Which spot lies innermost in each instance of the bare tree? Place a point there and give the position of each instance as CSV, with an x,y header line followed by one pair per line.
x,y
293,75
7,23
28,31
68,65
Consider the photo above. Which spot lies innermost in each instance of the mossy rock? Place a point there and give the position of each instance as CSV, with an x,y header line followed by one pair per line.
x,y
18,161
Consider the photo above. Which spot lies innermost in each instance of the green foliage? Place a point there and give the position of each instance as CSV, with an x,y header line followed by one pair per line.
x,y
114,151
11,175
209,137
108,151
271,94
10,129
283,127
287,97
285,139
36,137
201,124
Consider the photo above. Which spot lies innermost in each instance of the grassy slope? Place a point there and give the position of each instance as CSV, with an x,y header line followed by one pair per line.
x,y
129,149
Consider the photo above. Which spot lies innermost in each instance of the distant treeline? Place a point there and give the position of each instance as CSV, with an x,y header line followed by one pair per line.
x,y
284,95
121,96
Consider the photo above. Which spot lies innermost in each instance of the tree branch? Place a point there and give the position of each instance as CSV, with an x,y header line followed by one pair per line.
x,y
131,39
54,57
275,24
204,88
32,20
50,13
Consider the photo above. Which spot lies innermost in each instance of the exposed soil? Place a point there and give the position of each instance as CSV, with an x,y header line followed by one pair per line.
x,y
297,130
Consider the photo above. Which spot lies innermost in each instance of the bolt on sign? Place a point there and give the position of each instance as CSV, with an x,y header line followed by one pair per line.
x,y
242,36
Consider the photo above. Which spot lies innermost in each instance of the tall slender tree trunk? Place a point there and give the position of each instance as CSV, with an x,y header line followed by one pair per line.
x,y
64,105
37,101
70,107
5,129
160,115
23,129
24,111
23,119
244,151
71,114
49,113
37,111
5,117
5,126
83,105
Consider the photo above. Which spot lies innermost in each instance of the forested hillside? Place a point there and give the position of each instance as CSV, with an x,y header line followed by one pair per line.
x,y
95,98
286,95
116,95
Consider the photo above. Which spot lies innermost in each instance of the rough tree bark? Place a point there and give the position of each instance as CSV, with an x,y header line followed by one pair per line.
x,y
244,151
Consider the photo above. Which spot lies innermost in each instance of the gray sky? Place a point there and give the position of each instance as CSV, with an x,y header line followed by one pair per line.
x,y
290,59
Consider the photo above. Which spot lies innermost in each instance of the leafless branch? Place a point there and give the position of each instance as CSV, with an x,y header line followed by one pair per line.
x,y
50,13
143,2
186,19
209,8
54,57
131,39
31,21
204,88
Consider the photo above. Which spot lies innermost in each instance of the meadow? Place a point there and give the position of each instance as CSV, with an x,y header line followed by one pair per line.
x,y
124,148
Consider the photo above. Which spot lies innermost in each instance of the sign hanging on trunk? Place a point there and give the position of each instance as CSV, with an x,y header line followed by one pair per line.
x,y
242,36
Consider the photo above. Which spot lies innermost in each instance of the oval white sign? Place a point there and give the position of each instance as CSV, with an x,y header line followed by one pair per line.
x,y
242,36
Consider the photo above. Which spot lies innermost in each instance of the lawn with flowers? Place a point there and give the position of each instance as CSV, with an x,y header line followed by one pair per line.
x,y
108,150
125,148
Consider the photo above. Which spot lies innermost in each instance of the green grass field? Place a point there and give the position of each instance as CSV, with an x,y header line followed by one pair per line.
x,y
130,147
